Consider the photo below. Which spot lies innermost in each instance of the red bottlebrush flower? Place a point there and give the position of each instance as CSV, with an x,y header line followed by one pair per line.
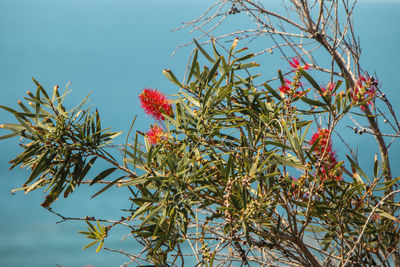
x,y
324,143
325,154
155,103
329,88
295,64
364,89
155,135
361,80
286,90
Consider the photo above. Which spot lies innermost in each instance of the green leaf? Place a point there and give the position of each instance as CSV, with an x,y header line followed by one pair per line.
x,y
387,215
272,91
209,58
168,73
233,46
281,78
187,108
107,186
143,208
376,166
191,99
100,246
207,99
9,135
288,160
312,102
87,168
25,109
154,212
24,156
37,107
311,81
103,175
40,88
248,56
42,164
213,70
12,127
355,165
388,184
192,67
9,109
90,244
245,65
56,94
225,67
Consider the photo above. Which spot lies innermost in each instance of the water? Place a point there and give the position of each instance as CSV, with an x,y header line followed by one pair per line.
x,y
114,49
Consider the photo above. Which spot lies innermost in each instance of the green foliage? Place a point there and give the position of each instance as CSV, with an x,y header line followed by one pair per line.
x,y
235,150
97,233
60,146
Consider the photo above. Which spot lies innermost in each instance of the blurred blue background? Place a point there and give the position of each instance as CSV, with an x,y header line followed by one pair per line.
x,y
114,49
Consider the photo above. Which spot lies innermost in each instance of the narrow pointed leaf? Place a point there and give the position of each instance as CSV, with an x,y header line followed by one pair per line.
x,y
103,175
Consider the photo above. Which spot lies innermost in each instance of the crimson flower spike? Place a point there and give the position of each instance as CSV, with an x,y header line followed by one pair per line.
x,y
295,64
155,103
324,148
155,135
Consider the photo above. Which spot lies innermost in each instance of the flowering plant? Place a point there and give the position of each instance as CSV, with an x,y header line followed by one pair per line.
x,y
243,171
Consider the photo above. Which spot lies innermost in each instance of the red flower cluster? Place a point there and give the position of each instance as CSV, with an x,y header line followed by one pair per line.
x,y
286,89
155,135
155,103
325,154
365,89
324,144
295,64
329,88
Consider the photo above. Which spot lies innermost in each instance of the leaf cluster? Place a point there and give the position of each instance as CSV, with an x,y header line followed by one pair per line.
x,y
60,146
